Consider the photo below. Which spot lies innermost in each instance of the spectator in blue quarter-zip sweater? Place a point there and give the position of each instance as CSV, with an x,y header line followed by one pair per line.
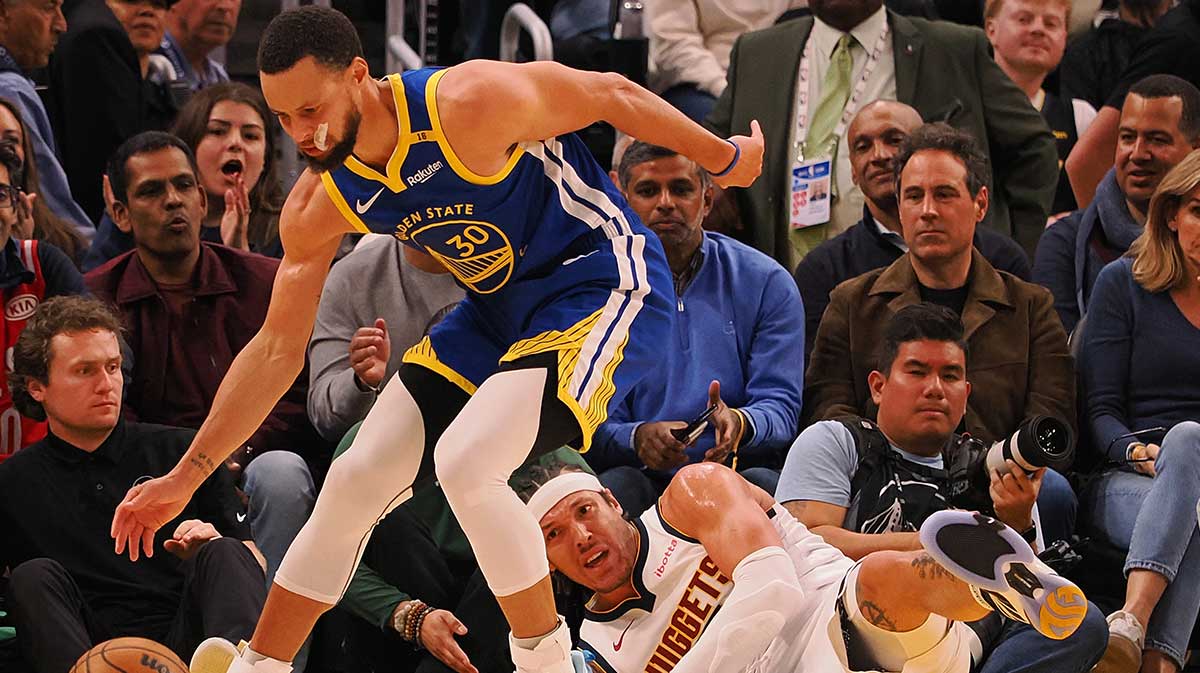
x,y
739,343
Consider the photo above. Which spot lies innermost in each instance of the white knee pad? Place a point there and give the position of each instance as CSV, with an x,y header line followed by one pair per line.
x,y
365,483
490,439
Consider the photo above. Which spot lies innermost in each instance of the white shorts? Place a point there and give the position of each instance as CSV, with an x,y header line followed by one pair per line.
x,y
813,643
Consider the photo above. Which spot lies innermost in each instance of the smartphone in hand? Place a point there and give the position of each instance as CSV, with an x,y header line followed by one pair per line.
x,y
688,434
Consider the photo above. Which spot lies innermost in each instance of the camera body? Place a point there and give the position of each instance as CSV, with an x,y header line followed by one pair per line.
x,y
1042,441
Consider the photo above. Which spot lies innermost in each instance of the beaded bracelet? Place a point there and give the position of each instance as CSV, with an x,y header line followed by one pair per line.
x,y
409,633
420,622
399,616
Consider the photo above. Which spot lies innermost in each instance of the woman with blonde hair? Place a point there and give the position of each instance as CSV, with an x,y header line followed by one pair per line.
x,y
1140,361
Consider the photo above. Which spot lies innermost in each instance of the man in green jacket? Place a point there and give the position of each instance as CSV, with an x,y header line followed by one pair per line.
x,y
858,52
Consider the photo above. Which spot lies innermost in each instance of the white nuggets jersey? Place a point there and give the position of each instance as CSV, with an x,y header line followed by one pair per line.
x,y
680,590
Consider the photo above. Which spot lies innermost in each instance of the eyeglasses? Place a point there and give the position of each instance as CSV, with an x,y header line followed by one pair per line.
x,y
9,196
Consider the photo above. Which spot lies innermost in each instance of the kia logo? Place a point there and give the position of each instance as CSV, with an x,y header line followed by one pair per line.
x,y
21,307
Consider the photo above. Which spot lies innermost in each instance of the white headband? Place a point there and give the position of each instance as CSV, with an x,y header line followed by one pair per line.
x,y
553,491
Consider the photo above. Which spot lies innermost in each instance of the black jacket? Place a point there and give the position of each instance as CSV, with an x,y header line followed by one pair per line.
x,y
97,99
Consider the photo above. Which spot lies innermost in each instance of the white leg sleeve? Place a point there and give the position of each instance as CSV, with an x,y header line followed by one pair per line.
x,y
766,596
365,483
491,437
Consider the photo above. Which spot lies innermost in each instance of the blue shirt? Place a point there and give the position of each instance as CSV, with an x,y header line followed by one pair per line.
x,y
1140,360
54,189
740,322
213,73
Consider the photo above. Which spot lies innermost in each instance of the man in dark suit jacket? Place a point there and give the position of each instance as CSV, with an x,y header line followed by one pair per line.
x,y
959,84
99,93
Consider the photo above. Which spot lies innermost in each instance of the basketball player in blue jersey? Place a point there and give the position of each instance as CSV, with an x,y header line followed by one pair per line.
x,y
475,169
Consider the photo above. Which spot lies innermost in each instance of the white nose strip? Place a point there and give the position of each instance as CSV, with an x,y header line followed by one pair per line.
x,y
319,136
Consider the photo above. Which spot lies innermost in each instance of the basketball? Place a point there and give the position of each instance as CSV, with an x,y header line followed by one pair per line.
x,y
129,655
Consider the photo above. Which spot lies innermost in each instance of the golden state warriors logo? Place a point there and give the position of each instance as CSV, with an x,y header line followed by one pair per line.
x,y
477,253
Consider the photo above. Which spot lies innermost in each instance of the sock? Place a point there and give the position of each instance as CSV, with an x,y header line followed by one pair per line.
x,y
532,643
253,661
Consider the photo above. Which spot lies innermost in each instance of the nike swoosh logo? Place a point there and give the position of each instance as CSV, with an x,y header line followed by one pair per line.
x,y
621,640
576,259
241,517
364,207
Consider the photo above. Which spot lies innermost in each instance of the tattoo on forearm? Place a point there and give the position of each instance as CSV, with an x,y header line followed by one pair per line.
x,y
203,463
929,569
877,616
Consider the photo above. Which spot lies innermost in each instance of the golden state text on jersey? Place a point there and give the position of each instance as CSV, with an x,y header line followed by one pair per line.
x,y
549,202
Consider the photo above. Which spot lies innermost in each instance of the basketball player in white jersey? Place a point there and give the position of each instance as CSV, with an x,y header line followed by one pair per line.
x,y
719,578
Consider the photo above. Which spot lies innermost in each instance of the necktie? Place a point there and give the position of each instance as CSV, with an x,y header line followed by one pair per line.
x,y
820,140
835,93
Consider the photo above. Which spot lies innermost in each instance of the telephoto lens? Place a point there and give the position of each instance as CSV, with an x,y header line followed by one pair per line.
x,y
1042,441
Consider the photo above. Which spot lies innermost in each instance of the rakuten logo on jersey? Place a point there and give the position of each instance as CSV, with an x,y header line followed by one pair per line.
x,y
424,174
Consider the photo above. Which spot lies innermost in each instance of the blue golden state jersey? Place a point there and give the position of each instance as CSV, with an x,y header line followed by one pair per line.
x,y
488,230
553,259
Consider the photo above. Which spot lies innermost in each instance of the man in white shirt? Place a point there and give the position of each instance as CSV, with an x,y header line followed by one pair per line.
x,y
690,42
1029,37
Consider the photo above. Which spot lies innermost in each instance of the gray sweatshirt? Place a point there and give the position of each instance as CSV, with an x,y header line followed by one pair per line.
x,y
372,282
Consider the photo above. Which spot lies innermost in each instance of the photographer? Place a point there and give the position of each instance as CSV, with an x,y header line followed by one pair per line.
x,y
866,487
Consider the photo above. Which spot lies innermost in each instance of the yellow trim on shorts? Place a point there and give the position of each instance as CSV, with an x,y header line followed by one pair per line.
x,y
423,354
568,344
392,180
339,201
455,163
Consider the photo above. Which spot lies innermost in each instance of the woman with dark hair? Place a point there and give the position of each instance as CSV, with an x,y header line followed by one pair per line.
x,y
47,226
228,126
230,129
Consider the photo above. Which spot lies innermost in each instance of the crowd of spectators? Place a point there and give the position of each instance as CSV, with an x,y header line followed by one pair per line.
x,y
867,323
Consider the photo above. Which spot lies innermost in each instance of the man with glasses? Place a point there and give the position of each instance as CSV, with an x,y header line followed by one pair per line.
x,y
30,272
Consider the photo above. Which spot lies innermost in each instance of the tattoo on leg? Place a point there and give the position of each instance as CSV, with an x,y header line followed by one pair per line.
x,y
929,569
877,616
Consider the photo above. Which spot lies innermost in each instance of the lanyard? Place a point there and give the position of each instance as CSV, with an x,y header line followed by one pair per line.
x,y
851,105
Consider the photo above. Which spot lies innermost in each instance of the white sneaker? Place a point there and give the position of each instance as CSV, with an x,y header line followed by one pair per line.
x,y
1003,571
214,655
1126,639
552,654
217,655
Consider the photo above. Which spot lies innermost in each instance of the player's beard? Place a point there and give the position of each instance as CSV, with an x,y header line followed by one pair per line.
x,y
337,155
